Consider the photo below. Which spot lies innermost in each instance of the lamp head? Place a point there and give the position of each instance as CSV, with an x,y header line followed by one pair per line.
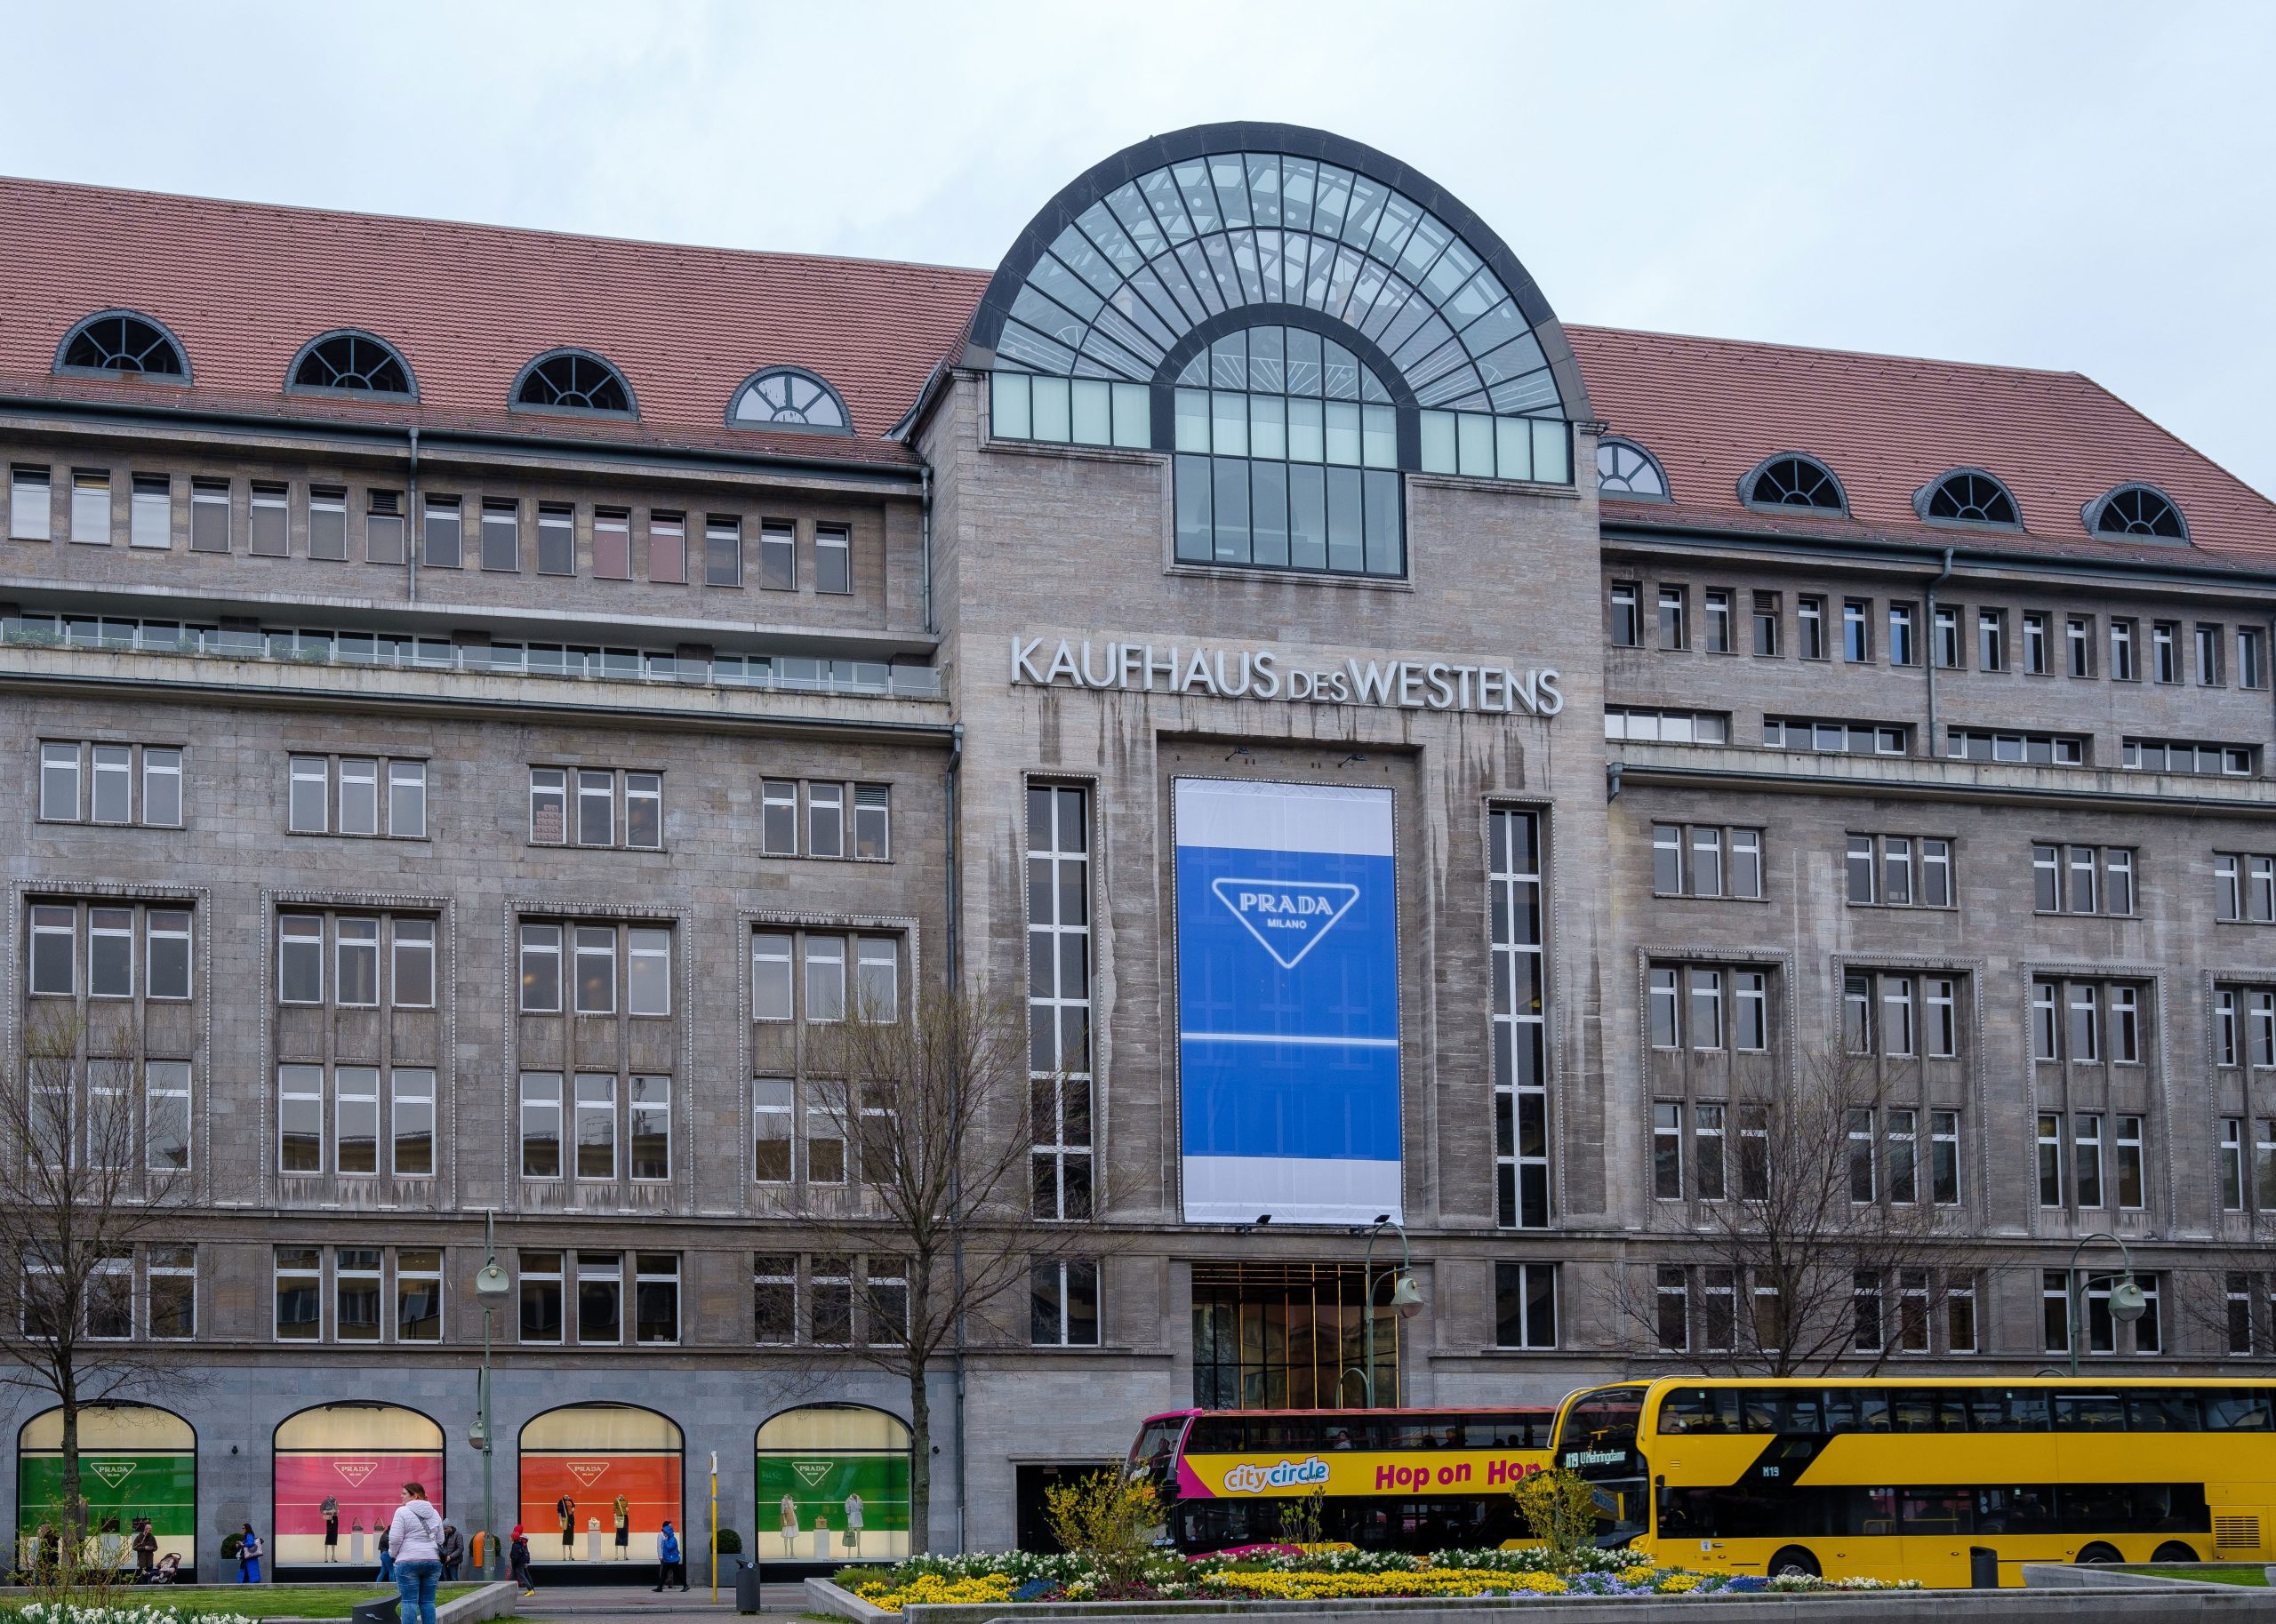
x,y
1405,1297
491,1284
2127,1301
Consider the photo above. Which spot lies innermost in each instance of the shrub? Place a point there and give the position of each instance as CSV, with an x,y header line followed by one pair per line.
x,y
1559,1508
1108,1519
727,1542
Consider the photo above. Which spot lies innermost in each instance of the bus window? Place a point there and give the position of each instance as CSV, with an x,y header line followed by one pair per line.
x,y
1872,1409
1941,1513
1217,1435
1700,1410
1871,1511
2029,1509
1157,1444
2236,1412
1914,1409
2164,1409
1763,1410
2089,1413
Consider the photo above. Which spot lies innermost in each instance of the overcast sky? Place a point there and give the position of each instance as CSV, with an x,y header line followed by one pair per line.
x,y
2067,185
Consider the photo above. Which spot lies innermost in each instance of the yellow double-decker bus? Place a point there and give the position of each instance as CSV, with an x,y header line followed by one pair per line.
x,y
1897,1478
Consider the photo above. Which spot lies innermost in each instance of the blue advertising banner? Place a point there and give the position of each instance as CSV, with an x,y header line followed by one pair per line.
x,y
1288,953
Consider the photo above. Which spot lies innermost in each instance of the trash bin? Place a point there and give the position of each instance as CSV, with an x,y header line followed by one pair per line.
x,y
1982,1567
747,1598
379,1610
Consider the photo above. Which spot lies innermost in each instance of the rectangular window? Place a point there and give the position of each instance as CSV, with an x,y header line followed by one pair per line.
x,y
359,795
328,522
165,1116
778,556
54,952
356,1119
651,1106
150,512
1936,874
612,543
384,527
825,819
1627,627
1667,1151
644,811
1667,859
600,1297
2038,654
548,806
309,803
540,970
774,1299
833,559
1706,1009
772,1101
110,953
2036,750
300,1119
2251,672
1524,1305
1900,651
2228,887
1767,618
1860,1156
878,979
2164,650
1940,994
1752,1013
442,535
778,817
1857,1014
1746,864
59,782
1809,617
160,788
2121,652
90,506
1856,630
1675,630
270,531
501,534
872,809
825,977
542,1288
596,808
29,510
355,962
648,970
1863,875
1947,634
298,1277
1707,861
1717,607
412,1124
1944,1157
594,968
1671,1308
1896,871
1663,1008
1904,1155
833,1301
825,1143
1063,1303
2126,1147
655,1297
2209,655
2125,1027
540,1125
407,800
596,1128
723,551
1990,640
172,1273
1058,1007
112,783
2263,1165
2086,1156
2078,636
1896,1016
418,1295
770,976
1707,1169
556,539
1865,1311
668,548
2050,1159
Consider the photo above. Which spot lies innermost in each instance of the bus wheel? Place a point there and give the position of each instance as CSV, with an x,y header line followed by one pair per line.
x,y
1794,1559
2103,1552
2174,1551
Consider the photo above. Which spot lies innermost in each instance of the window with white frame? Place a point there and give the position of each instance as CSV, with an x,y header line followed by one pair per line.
x,y
596,807
375,797
1706,860
1064,1302
96,782
1520,1018
1059,998
1524,1305
1899,871
2079,879
2244,888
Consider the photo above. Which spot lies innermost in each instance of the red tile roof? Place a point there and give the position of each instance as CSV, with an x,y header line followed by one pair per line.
x,y
244,285
1711,409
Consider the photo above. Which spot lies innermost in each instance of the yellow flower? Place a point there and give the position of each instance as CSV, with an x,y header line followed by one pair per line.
x,y
927,1588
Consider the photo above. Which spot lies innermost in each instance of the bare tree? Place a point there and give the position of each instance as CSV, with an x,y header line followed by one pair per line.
x,y
1812,1256
937,1101
77,1194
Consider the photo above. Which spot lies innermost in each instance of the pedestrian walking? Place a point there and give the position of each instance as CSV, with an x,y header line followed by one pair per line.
x,y
518,1561
415,1537
668,1560
248,1555
453,1553
145,1550
387,1558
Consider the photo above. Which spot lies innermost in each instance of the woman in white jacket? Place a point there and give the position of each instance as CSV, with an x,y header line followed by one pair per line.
x,y
415,1536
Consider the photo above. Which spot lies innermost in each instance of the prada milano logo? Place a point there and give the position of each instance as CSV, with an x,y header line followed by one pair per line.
x,y
1289,921
1487,688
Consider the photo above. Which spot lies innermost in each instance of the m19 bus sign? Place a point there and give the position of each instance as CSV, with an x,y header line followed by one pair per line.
x,y
1485,687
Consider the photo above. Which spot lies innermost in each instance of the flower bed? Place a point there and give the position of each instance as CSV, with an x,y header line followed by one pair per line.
x,y
1285,1573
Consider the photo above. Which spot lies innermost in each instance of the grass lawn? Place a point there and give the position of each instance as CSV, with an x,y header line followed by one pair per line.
x,y
267,1600
2213,1572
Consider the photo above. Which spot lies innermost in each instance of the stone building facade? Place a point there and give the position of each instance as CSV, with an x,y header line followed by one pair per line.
x,y
533,743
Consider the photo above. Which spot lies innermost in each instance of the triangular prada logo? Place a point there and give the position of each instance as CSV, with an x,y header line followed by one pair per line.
x,y
112,1472
1288,917
356,1471
588,1472
811,1472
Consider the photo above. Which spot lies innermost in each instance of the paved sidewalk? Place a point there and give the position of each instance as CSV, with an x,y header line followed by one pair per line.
x,y
597,1604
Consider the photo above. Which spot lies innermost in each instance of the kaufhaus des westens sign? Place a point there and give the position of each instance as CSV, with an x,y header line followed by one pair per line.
x,y
1265,674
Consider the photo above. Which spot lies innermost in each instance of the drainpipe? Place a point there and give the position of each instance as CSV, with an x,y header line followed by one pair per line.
x,y
1611,780
925,498
411,516
949,787
1929,630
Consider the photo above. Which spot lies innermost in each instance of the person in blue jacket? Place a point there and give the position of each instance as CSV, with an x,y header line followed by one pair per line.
x,y
668,1560
248,1555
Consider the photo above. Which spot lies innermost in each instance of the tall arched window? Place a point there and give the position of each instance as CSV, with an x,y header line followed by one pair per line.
x,y
790,398
122,341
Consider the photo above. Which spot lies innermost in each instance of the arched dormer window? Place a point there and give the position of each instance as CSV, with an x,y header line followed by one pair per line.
x,y
349,362
790,398
1625,468
573,380
2138,511
113,341
1791,480
1968,496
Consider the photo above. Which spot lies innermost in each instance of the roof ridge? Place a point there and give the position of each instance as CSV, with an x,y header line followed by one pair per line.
x,y
318,212
1791,347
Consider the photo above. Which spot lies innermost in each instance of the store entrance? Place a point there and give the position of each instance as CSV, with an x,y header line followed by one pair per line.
x,y
1032,1525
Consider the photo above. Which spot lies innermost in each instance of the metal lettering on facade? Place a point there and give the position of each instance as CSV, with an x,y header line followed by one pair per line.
x,y
1266,674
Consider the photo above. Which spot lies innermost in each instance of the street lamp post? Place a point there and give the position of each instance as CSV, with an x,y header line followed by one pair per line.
x,y
1405,1297
2126,1300
492,1287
